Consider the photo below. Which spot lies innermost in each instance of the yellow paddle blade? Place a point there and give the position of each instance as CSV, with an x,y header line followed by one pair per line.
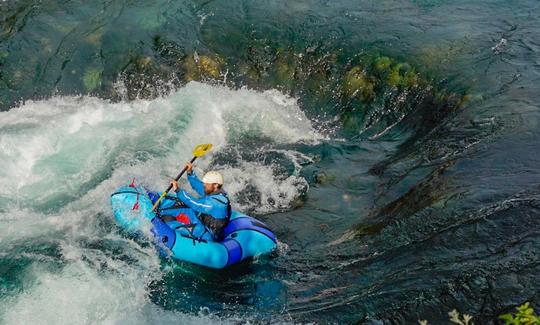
x,y
202,149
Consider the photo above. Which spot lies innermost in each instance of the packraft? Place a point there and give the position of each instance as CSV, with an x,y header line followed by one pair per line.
x,y
244,237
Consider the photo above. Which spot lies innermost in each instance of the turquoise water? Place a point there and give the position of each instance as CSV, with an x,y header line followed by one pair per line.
x,y
392,146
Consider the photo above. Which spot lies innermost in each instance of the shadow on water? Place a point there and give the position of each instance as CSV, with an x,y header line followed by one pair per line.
x,y
244,288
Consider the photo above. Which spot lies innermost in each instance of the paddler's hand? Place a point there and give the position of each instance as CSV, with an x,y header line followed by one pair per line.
x,y
175,185
189,168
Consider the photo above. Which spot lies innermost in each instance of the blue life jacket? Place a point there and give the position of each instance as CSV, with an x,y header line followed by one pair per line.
x,y
213,210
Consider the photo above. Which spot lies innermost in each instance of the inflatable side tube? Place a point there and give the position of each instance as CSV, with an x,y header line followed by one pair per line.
x,y
234,251
248,223
209,254
131,208
164,235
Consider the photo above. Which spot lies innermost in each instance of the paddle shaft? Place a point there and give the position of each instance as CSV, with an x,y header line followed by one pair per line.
x,y
170,185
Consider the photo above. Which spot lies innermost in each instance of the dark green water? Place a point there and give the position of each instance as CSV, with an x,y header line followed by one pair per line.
x,y
392,146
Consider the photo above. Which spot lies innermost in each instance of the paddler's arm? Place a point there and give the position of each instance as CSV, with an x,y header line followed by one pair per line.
x,y
202,205
199,205
194,181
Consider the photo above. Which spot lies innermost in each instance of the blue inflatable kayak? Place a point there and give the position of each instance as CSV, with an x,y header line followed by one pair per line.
x,y
244,236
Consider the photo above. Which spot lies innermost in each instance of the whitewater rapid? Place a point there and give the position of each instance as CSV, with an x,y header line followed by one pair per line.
x,y
62,157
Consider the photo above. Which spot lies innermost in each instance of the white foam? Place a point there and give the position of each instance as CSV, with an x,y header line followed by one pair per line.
x,y
59,146
18,224
61,159
81,294
276,194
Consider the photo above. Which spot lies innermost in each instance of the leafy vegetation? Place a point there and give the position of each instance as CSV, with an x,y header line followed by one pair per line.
x,y
525,316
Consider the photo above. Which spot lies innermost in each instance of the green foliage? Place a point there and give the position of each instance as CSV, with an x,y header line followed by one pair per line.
x,y
525,316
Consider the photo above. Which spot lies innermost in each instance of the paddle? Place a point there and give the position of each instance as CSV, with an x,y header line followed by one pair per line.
x,y
198,151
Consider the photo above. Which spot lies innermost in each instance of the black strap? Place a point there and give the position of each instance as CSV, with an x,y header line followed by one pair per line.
x,y
190,227
166,218
200,237
228,203
217,225
176,205
125,192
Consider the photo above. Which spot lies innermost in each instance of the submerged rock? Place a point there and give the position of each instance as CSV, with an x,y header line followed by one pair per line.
x,y
94,38
357,83
383,64
143,63
210,67
250,74
143,77
394,78
324,178
169,53
202,67
369,93
285,69
92,78
402,75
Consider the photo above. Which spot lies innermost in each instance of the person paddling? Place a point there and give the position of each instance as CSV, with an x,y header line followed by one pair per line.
x,y
212,210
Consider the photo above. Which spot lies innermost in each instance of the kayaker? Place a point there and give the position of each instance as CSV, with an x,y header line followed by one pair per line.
x,y
212,209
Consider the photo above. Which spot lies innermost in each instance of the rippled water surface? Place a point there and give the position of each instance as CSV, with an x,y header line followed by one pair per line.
x,y
392,146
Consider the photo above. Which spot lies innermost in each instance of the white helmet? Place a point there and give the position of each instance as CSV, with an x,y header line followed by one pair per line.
x,y
213,177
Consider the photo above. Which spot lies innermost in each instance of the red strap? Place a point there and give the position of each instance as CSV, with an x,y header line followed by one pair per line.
x,y
183,218
136,205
